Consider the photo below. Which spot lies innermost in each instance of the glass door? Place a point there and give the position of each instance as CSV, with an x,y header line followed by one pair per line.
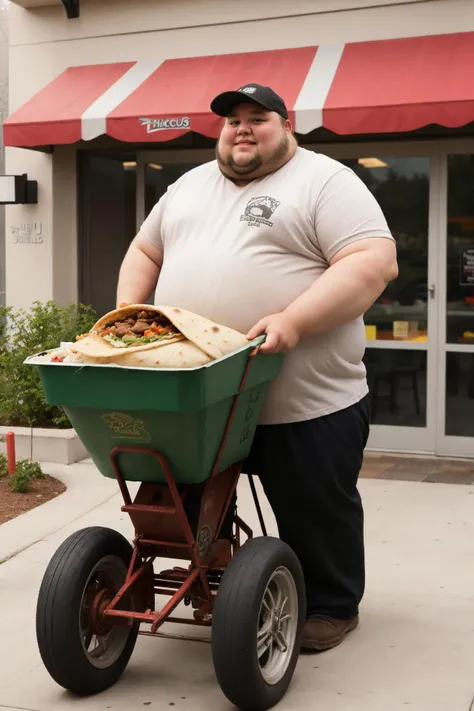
x,y
107,220
456,367
401,326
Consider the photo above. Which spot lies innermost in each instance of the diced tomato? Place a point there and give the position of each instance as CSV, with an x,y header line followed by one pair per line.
x,y
164,329
107,331
57,359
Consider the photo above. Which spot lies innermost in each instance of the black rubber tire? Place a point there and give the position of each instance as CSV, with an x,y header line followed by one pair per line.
x,y
58,610
235,623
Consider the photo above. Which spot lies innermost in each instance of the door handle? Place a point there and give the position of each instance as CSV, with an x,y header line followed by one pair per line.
x,y
431,289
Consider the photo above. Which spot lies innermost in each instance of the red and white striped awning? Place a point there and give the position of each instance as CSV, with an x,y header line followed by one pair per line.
x,y
359,88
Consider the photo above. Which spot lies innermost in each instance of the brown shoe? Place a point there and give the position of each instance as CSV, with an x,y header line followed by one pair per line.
x,y
321,633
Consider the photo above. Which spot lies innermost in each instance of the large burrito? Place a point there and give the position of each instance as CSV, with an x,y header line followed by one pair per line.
x,y
147,336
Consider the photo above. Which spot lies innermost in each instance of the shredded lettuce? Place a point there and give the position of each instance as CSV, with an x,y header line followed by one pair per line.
x,y
119,343
114,341
150,339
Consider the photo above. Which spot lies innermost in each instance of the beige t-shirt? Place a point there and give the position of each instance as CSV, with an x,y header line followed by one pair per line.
x,y
237,254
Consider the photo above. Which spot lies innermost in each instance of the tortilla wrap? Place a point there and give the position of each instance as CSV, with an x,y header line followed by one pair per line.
x,y
200,341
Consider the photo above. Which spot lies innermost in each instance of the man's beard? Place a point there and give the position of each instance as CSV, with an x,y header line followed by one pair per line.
x,y
254,165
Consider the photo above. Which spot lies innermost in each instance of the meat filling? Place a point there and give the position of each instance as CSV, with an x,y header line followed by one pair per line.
x,y
139,328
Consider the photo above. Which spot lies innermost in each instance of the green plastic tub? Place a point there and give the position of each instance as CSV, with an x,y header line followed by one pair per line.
x,y
182,413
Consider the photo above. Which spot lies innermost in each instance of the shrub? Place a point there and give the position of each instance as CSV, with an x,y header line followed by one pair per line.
x,y
43,327
25,472
3,465
19,482
31,469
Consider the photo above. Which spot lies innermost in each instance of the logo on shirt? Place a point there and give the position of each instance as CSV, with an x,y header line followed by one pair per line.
x,y
259,210
154,125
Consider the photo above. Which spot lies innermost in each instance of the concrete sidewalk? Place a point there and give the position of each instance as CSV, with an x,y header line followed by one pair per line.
x,y
86,489
413,649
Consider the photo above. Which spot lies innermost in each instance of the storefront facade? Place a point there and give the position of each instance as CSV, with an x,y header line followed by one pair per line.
x,y
100,166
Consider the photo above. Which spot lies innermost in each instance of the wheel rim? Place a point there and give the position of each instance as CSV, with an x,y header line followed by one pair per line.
x,y
277,626
102,650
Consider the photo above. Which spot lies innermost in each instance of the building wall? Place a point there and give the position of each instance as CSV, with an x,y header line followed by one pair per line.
x,y
44,43
4,52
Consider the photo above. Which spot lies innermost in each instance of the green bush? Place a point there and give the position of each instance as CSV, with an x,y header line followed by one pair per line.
x,y
25,472
3,465
19,482
31,469
43,327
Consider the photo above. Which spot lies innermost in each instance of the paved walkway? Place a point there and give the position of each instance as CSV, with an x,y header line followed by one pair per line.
x,y
431,470
413,649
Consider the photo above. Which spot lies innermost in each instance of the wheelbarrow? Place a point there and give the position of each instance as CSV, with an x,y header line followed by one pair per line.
x,y
183,436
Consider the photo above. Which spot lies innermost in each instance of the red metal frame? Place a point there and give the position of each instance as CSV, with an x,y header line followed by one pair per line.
x,y
164,530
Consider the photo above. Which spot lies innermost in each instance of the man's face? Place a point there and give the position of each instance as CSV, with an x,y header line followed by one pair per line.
x,y
253,142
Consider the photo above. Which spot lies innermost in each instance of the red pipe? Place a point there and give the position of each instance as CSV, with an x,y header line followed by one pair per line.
x,y
11,457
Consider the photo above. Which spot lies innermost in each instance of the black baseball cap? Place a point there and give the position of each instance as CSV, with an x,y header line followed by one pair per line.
x,y
223,104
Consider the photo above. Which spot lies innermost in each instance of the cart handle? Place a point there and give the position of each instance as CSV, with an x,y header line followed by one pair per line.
x,y
259,341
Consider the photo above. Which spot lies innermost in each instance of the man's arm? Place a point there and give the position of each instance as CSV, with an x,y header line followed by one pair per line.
x,y
139,271
356,277
353,236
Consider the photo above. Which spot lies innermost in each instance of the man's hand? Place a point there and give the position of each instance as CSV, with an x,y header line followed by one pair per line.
x,y
281,330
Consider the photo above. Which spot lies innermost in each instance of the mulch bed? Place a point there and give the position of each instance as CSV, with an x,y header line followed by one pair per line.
x,y
41,491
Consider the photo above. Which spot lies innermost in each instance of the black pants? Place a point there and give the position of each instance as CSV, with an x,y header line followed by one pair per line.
x,y
309,471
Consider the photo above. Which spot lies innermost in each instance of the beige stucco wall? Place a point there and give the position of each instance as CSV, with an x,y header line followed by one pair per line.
x,y
29,266
44,43
4,54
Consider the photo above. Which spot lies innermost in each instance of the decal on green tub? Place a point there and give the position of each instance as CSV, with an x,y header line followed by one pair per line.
x,y
252,402
126,426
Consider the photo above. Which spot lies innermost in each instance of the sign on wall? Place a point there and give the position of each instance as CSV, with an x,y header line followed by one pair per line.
x,y
27,233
